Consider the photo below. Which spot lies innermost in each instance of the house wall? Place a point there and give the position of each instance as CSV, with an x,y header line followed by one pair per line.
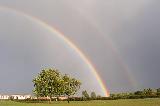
x,y
21,97
4,97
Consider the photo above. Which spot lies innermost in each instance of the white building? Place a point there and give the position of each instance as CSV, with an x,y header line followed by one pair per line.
x,y
23,97
20,97
63,98
4,96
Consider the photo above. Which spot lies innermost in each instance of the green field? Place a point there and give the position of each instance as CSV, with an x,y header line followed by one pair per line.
x,y
136,102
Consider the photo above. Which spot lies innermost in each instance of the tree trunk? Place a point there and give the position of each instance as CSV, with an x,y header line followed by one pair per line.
x,y
50,100
68,99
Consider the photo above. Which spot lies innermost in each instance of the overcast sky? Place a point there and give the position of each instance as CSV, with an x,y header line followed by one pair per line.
x,y
121,39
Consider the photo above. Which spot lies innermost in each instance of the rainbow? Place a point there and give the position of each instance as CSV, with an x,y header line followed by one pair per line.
x,y
61,36
126,69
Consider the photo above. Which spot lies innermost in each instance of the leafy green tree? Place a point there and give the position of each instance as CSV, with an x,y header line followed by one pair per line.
x,y
148,92
50,83
93,95
139,93
70,86
47,83
85,95
158,92
112,96
99,96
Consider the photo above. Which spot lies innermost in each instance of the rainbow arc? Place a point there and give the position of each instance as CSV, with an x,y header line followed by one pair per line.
x,y
61,36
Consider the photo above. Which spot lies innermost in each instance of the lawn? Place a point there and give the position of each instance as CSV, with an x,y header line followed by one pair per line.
x,y
136,102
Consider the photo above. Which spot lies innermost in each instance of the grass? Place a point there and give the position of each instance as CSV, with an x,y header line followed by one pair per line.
x,y
133,102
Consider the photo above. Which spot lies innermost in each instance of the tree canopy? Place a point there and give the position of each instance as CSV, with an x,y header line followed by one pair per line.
x,y
85,95
51,83
93,95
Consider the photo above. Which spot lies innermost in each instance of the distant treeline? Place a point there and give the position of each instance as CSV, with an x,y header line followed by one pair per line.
x,y
146,93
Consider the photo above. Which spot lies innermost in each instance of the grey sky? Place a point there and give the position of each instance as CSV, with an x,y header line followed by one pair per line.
x,y
121,38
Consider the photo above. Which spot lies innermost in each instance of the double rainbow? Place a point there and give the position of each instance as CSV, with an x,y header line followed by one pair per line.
x,y
61,36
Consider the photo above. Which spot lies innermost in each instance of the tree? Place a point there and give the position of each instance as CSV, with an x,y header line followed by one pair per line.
x,y
139,93
47,83
70,86
99,96
148,92
158,92
85,95
51,83
93,95
113,96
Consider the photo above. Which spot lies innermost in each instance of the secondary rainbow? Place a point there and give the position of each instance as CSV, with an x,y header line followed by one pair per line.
x,y
68,42
112,46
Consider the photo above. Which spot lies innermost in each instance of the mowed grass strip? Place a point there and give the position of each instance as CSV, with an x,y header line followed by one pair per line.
x,y
127,102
